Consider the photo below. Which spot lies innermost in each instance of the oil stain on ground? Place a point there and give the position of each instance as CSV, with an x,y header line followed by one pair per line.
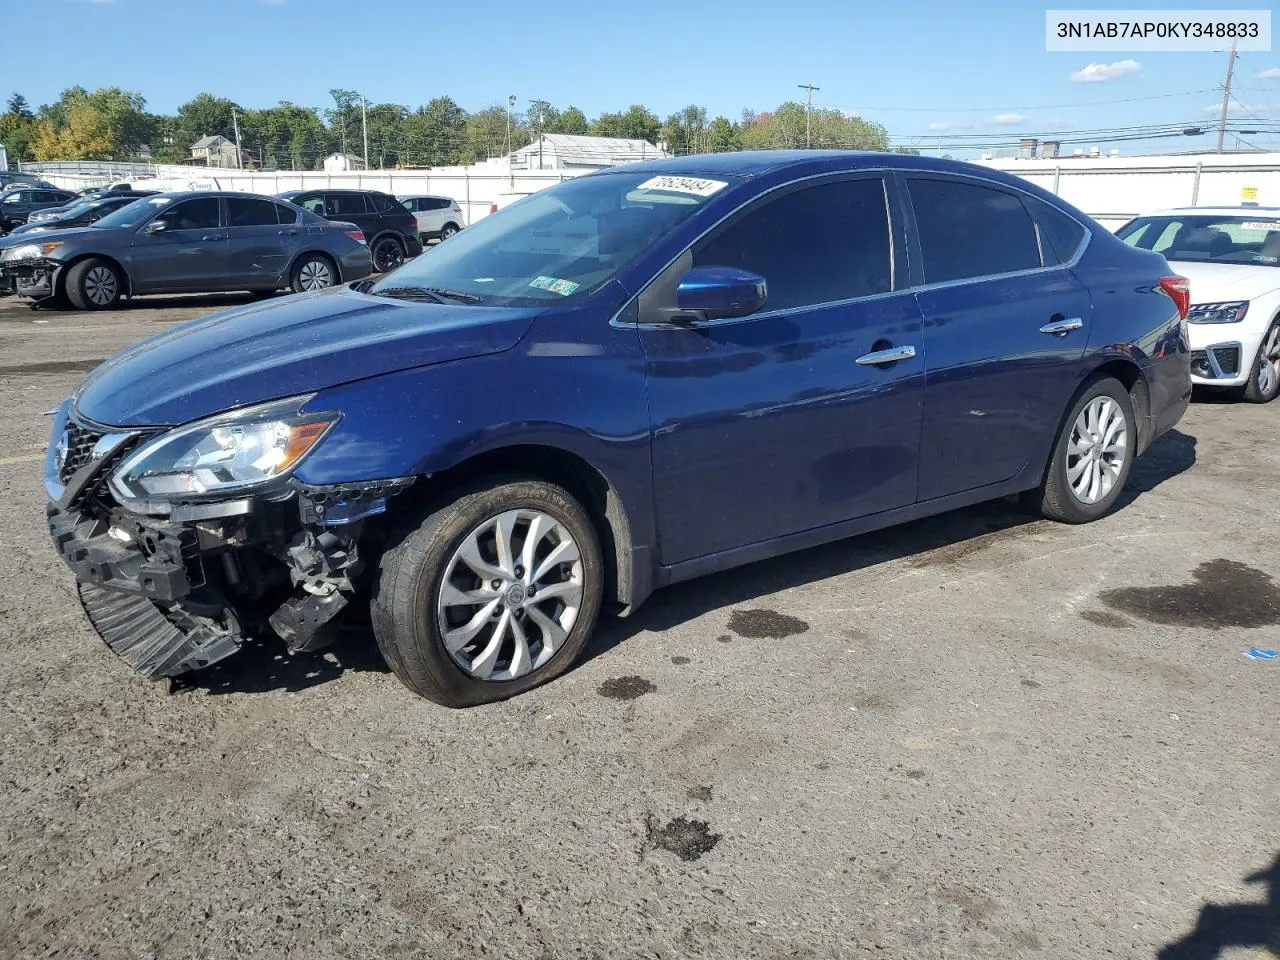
x,y
687,839
765,624
698,793
1226,593
1105,618
50,366
625,688
680,661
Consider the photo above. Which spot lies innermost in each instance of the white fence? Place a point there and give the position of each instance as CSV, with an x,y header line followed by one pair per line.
x,y
1113,190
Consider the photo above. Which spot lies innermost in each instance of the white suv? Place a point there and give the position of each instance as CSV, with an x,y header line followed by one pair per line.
x,y
439,218
1231,255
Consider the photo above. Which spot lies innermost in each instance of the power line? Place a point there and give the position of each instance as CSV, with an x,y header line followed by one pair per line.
x,y
1041,106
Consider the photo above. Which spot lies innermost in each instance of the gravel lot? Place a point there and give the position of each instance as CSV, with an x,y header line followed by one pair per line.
x,y
975,736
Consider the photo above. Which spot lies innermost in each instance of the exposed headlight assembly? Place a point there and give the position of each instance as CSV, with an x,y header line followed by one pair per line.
x,y
29,251
226,454
1218,312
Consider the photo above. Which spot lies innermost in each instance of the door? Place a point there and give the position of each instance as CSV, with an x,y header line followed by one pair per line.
x,y
1005,330
779,422
184,247
262,237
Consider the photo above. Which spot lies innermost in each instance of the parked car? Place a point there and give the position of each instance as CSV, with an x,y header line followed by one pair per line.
x,y
17,205
1232,257
12,178
82,213
186,242
392,230
439,218
632,378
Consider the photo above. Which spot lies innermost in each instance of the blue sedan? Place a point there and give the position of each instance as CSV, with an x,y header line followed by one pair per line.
x,y
635,377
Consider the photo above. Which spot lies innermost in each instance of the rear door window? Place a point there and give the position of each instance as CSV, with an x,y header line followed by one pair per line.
x,y
285,214
813,245
382,203
346,204
967,230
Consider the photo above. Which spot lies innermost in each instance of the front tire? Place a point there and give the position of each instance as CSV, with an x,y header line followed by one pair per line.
x,y
491,594
1092,457
93,284
1264,382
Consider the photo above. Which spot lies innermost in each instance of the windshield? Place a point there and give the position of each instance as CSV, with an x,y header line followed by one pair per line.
x,y
561,242
132,214
1202,238
73,207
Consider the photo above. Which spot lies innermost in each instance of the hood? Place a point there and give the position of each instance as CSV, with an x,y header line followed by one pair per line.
x,y
279,349
1224,282
44,236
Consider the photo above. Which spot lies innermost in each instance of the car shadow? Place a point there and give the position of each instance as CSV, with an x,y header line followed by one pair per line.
x,y
192,301
1223,925
265,666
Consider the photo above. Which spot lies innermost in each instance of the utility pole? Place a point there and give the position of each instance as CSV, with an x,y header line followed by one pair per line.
x,y
511,173
539,105
364,124
808,113
235,123
1226,96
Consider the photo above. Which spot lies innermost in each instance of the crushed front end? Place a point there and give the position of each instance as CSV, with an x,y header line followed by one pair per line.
x,y
35,278
178,582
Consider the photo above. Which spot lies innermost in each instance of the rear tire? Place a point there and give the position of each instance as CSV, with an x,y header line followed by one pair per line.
x,y
1264,378
463,637
388,253
93,284
1093,456
313,272
449,230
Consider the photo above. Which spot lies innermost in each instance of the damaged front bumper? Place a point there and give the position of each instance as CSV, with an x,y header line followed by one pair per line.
x,y
174,593
37,278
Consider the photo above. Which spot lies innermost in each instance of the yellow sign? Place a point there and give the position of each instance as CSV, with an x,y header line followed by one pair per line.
x,y
1248,193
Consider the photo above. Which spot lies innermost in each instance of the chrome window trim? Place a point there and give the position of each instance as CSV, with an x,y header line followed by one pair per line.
x,y
881,172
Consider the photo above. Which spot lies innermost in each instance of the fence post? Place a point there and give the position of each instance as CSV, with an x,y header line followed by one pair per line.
x,y
466,179
1057,175
1195,185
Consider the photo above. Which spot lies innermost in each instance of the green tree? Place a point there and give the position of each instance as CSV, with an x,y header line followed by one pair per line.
x,y
571,120
686,131
790,126
636,124
85,135
723,136
204,115
344,119
108,123
436,134
487,133
19,107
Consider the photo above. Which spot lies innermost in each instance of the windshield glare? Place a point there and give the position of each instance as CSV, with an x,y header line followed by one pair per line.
x,y
561,242
132,214
1252,238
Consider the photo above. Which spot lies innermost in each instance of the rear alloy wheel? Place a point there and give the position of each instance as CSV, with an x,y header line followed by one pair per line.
x,y
1093,456
1264,385
313,273
93,284
388,253
449,230
492,594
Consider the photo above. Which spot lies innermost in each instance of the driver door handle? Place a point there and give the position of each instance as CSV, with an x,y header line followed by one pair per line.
x,y
1060,326
891,355
286,233
213,236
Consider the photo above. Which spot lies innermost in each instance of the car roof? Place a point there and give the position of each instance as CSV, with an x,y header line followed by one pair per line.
x,y
1238,211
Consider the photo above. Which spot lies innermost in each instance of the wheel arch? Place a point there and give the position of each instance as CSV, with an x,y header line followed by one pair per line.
x,y
60,284
313,251
1131,376
598,496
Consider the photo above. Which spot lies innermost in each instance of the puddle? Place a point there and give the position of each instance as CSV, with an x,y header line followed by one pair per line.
x,y
765,624
1226,593
687,839
625,688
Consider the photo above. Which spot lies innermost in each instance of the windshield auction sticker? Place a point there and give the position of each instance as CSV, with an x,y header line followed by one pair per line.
x,y
1150,30
1259,225
555,285
694,185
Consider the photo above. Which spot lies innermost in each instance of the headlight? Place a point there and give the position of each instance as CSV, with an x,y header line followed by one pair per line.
x,y
224,454
29,251
1218,312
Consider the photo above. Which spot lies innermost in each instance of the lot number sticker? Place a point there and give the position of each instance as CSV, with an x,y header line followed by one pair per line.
x,y
1260,225
694,185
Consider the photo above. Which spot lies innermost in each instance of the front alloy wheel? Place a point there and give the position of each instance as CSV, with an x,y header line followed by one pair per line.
x,y
1265,384
490,594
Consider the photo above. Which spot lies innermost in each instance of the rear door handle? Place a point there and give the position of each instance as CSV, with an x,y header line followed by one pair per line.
x,y
891,355
1062,326
213,236
286,233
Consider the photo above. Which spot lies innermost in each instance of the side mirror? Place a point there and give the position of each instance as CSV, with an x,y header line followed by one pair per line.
x,y
719,292
155,226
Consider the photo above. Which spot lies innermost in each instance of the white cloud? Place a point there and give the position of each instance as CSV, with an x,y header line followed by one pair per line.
x,y
1271,73
1006,119
1242,111
1102,72
942,127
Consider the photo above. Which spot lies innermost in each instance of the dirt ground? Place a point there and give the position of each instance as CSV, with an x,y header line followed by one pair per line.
x,y
975,736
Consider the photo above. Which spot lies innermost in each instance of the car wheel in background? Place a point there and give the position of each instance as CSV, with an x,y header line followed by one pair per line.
x,y
449,230
1264,383
93,284
494,592
313,272
1092,457
388,253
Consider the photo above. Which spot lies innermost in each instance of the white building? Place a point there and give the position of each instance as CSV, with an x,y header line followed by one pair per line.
x,y
563,151
342,162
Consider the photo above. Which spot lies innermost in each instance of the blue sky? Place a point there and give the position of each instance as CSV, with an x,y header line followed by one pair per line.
x,y
921,69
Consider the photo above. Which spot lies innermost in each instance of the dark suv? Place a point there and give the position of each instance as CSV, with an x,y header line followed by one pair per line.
x,y
392,231
17,205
